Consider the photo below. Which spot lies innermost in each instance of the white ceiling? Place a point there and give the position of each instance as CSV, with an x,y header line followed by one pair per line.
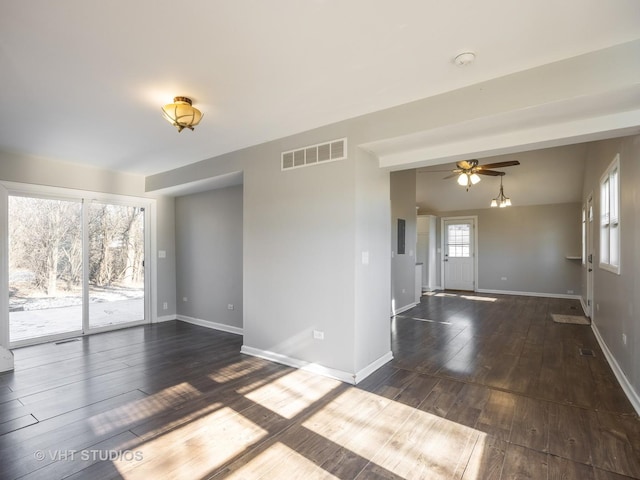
x,y
83,81
546,176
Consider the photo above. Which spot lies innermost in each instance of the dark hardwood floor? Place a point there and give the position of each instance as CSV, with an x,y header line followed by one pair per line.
x,y
481,387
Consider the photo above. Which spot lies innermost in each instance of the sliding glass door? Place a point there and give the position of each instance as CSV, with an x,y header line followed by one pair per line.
x,y
45,267
75,266
116,264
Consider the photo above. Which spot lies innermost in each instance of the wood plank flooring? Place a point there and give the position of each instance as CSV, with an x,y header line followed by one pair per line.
x,y
481,387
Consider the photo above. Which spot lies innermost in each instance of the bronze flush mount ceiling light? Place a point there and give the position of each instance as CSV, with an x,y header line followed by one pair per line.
x,y
181,114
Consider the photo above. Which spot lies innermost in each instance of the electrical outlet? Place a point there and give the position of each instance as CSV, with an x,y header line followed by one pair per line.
x,y
570,292
624,338
184,299
230,306
503,279
318,335
165,306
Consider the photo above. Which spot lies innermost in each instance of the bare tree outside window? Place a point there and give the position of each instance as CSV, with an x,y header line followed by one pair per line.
x,y
46,264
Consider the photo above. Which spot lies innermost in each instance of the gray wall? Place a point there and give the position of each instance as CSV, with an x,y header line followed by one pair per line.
x,y
209,255
528,246
403,205
373,237
303,235
617,297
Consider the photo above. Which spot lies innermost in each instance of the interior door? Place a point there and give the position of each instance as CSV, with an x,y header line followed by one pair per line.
x,y
459,254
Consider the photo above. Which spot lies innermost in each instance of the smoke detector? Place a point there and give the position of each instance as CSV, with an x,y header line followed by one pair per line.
x,y
464,58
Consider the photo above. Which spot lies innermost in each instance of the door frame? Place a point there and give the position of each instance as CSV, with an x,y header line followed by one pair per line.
x,y
474,225
61,193
588,261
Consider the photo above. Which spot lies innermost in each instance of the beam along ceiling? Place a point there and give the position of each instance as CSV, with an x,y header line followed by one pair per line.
x,y
84,81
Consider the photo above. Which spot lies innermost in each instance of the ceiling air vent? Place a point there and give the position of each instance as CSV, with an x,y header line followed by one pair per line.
x,y
315,154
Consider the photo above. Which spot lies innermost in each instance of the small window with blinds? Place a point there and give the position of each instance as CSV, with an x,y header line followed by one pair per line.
x,y
315,154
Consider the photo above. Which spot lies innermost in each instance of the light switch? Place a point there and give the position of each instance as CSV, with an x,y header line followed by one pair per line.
x,y
162,254
365,258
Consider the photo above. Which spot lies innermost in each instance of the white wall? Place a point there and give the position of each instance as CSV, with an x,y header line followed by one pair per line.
x,y
616,297
209,256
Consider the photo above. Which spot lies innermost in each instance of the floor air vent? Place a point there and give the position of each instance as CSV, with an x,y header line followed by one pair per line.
x,y
315,154
68,341
587,352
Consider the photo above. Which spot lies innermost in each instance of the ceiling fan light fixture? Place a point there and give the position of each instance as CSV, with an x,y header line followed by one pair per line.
x,y
181,114
463,180
475,178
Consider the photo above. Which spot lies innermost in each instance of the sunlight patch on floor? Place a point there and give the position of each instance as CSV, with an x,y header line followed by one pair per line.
x,y
278,462
466,297
133,412
397,438
195,449
237,370
479,299
291,394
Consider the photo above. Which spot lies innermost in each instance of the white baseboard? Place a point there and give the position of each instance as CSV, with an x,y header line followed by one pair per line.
x,y
164,318
343,376
6,359
373,366
301,364
584,306
404,309
205,323
529,294
631,394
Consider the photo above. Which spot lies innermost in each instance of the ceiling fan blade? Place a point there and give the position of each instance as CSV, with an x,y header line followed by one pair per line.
x,y
451,176
492,173
499,164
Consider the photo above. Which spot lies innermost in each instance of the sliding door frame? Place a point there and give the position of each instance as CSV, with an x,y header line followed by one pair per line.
x,y
85,197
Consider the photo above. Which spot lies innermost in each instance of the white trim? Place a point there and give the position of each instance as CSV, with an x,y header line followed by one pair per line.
x,y
207,324
529,294
585,308
373,366
164,318
6,356
345,377
6,359
47,339
405,308
631,394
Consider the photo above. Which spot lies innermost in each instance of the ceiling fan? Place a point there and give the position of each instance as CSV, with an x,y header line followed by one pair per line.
x,y
468,171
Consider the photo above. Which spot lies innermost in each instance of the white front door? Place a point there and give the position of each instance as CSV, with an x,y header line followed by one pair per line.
x,y
459,254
